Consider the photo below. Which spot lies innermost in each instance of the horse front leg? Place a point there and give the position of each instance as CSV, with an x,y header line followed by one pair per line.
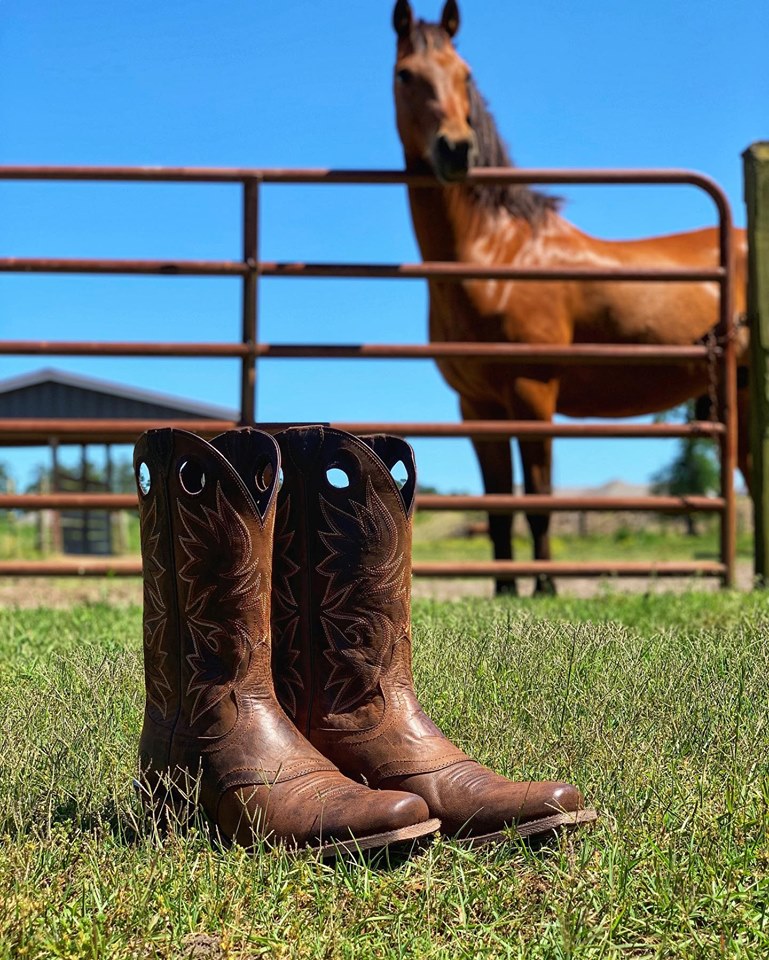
x,y
537,459
536,400
495,459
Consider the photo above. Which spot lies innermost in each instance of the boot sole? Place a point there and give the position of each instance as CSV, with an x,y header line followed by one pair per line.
x,y
181,813
335,848
534,828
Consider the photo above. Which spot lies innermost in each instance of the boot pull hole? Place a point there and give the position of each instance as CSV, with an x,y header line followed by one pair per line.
x,y
280,478
143,478
337,478
192,477
400,474
264,474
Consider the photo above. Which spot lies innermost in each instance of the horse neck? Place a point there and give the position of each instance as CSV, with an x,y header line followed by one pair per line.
x,y
450,224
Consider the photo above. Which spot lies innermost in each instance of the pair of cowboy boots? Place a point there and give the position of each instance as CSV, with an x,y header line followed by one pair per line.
x,y
335,752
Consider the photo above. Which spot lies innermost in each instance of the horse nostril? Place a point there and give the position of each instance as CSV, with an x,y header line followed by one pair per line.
x,y
462,151
451,157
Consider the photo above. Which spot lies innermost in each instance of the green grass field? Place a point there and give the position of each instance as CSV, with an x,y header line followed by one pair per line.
x,y
656,706
436,538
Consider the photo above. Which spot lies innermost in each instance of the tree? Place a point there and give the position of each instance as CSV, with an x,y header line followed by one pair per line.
x,y
694,470
6,478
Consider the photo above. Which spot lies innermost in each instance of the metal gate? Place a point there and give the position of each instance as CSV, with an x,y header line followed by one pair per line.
x,y
250,269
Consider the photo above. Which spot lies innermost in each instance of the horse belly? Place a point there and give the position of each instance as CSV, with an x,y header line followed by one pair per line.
x,y
475,380
629,391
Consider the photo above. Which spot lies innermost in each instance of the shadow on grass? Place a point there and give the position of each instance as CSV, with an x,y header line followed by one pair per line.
x,y
108,820
129,828
122,825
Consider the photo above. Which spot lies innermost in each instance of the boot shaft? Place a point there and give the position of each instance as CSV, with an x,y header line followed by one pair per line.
x,y
206,519
342,575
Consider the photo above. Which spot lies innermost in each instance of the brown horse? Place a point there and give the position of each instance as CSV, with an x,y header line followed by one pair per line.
x,y
445,129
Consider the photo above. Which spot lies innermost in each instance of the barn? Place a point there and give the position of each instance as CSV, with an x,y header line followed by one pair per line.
x,y
49,394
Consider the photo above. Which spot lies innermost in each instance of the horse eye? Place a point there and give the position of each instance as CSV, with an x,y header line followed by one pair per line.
x,y
404,76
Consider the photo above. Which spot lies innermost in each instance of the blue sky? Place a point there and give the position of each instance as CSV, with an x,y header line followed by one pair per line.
x,y
659,84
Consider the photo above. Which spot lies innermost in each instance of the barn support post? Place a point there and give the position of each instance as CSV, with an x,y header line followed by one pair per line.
x,y
114,520
756,170
56,541
85,515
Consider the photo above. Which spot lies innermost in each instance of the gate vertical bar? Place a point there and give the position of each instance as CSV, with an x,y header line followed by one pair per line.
x,y
756,169
728,393
250,297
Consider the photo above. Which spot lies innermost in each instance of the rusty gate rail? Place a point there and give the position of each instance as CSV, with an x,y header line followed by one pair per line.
x,y
250,269
578,353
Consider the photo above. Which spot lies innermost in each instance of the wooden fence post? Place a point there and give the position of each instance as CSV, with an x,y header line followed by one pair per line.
x,y
756,168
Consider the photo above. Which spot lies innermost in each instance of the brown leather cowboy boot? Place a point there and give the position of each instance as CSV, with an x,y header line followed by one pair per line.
x,y
214,736
342,640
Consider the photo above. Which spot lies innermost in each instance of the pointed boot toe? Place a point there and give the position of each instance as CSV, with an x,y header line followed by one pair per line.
x,y
566,798
401,809
362,815
474,802
322,811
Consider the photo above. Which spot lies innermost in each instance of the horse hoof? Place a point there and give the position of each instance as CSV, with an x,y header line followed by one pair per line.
x,y
544,586
506,588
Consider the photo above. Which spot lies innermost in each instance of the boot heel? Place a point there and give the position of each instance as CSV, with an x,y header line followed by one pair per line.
x,y
164,803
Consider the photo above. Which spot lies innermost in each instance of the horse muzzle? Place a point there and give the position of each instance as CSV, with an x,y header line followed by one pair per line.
x,y
452,159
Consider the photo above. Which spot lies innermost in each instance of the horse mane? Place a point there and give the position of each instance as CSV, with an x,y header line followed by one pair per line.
x,y
517,199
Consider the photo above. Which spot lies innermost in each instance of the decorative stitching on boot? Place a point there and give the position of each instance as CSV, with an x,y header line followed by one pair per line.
x,y
258,776
363,611
285,615
396,768
234,591
155,613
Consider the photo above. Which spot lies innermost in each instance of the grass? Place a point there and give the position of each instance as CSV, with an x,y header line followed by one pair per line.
x,y
436,539
20,538
655,705
17,538
665,542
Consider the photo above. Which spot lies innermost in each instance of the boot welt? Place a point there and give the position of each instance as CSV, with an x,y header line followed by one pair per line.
x,y
335,848
532,828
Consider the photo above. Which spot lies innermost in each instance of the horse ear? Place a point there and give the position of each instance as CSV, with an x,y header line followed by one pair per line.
x,y
450,17
402,18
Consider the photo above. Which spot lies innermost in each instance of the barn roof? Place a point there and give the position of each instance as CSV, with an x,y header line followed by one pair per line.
x,y
46,397
57,395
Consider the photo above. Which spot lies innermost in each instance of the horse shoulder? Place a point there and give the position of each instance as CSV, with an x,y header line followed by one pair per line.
x,y
544,311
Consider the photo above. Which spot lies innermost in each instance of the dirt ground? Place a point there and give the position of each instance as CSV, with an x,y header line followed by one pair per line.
x,y
60,593
583,587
